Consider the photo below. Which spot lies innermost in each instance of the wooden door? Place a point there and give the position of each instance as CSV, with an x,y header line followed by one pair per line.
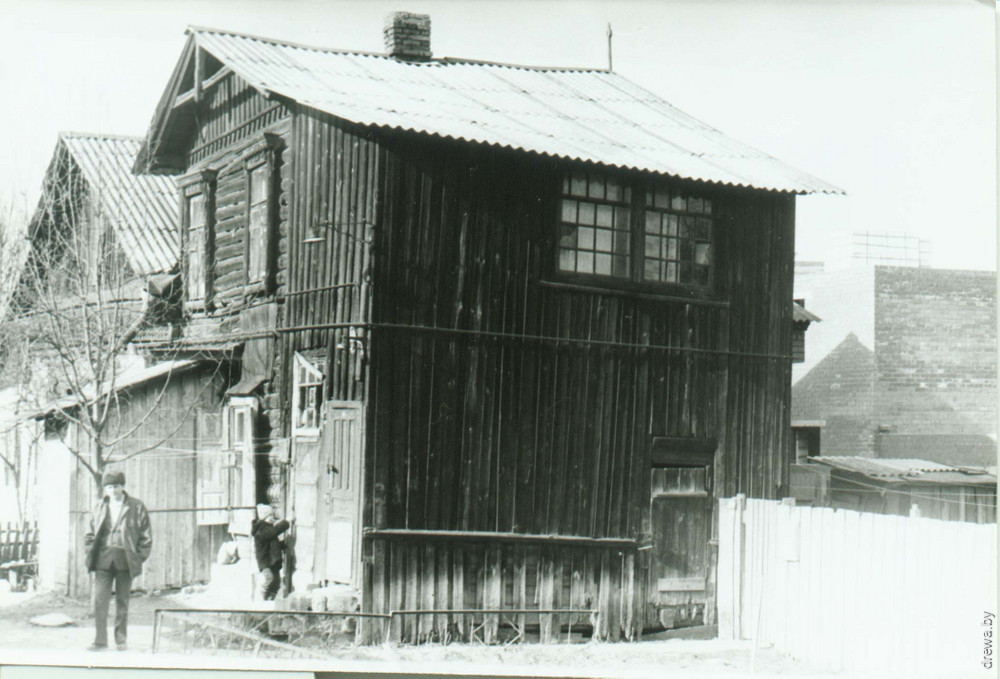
x,y
680,560
338,535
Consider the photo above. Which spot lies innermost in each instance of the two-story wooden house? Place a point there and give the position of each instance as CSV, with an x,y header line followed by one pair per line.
x,y
508,331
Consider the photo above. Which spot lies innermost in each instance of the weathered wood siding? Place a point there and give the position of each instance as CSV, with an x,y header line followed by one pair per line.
x,y
164,478
231,111
333,167
478,422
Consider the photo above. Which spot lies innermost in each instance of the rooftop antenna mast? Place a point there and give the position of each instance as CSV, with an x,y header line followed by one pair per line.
x,y
610,33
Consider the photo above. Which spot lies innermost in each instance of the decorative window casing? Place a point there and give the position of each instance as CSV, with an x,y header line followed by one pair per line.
x,y
261,162
651,233
258,223
307,397
197,236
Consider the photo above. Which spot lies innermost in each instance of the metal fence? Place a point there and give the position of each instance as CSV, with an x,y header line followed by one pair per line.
x,y
315,634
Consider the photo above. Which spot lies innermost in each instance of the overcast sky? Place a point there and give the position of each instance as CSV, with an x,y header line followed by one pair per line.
x,y
892,101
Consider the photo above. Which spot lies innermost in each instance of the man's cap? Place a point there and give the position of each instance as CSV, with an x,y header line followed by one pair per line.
x,y
113,478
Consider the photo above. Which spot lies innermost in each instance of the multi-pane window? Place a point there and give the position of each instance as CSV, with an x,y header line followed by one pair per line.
x,y
594,236
665,235
257,235
197,246
307,396
677,238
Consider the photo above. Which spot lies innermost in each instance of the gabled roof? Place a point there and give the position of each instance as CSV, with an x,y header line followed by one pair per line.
x,y
143,210
590,115
908,470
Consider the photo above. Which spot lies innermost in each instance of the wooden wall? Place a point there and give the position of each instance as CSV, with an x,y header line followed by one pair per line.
x,y
230,112
480,422
164,478
333,167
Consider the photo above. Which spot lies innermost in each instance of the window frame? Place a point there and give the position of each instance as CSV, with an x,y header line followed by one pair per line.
x,y
201,183
301,362
640,186
263,154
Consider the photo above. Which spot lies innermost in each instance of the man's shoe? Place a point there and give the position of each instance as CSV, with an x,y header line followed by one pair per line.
x,y
122,647
97,647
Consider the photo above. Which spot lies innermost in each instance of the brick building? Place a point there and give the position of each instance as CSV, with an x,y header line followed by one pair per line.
x,y
927,388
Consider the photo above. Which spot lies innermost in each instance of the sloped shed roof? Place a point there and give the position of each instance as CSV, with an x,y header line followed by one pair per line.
x,y
907,470
582,114
142,209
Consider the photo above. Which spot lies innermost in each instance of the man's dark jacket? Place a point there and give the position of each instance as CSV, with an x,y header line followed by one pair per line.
x,y
265,542
138,534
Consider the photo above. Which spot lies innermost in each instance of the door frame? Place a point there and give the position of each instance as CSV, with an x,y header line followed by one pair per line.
x,y
357,478
675,452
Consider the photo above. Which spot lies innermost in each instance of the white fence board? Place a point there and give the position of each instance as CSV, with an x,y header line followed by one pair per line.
x,y
852,591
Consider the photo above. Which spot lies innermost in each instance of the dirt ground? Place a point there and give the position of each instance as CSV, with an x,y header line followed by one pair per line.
x,y
685,658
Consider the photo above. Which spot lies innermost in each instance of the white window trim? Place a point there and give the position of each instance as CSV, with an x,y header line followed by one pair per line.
x,y
302,361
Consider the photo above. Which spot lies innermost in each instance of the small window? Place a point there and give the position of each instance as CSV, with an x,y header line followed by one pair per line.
x,y
670,240
258,234
197,247
594,233
307,397
677,238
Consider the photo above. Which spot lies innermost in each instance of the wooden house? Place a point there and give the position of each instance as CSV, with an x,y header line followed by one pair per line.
x,y
94,212
511,330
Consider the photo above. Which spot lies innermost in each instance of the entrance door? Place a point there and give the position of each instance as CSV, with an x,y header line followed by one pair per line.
x,y
681,514
338,548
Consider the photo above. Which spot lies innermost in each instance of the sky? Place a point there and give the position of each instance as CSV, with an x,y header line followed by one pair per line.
x,y
894,102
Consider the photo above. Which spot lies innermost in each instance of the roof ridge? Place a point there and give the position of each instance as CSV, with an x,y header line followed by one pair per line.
x,y
526,67
447,61
285,43
71,134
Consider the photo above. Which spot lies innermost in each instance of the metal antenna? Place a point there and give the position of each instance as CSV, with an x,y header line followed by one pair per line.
x,y
610,33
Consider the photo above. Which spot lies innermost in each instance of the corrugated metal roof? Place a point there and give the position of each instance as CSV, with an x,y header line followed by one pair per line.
x,y
143,209
908,470
802,315
124,380
582,114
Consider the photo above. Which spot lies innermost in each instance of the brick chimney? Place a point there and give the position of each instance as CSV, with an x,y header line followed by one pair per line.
x,y
408,36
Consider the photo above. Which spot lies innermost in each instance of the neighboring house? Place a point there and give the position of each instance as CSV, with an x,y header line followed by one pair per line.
x,y
113,236
171,413
923,386
505,333
895,486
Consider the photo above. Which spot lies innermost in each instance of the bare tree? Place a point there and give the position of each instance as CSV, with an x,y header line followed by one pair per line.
x,y
79,304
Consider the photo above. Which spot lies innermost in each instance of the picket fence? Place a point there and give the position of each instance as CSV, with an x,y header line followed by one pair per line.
x,y
856,591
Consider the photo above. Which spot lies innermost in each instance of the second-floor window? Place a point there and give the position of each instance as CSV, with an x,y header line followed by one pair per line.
x,y
258,232
652,233
197,248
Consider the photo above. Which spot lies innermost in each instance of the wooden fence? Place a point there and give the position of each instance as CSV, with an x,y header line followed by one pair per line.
x,y
18,549
857,592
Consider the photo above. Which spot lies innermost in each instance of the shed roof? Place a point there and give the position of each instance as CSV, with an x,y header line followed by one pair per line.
x,y
802,315
143,209
908,470
591,115
126,379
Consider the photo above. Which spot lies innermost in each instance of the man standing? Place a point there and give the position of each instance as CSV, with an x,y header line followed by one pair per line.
x,y
118,542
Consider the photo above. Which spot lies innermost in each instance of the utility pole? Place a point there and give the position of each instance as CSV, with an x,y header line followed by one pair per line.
x,y
610,33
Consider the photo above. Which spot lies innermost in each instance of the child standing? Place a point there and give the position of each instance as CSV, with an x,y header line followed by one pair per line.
x,y
268,549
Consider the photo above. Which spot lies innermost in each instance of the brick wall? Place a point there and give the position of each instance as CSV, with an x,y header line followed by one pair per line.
x,y
936,363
